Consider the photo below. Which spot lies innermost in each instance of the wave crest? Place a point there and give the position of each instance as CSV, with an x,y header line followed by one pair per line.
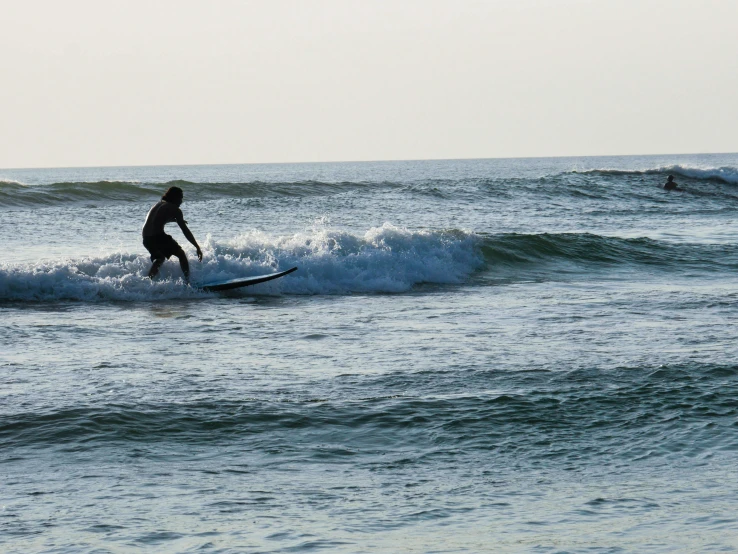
x,y
725,174
13,193
384,259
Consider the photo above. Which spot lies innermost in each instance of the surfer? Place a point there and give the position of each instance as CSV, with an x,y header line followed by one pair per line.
x,y
670,184
157,242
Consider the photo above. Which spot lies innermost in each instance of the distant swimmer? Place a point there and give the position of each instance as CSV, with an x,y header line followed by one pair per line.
x,y
670,184
157,242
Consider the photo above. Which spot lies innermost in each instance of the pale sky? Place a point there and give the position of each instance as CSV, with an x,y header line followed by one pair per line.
x,y
138,82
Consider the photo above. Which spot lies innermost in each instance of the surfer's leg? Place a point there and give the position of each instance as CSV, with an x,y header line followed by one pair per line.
x,y
183,263
155,267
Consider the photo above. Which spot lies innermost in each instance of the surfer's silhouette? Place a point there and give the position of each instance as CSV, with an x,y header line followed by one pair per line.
x,y
670,184
157,242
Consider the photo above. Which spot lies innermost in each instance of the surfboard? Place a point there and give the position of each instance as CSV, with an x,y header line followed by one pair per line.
x,y
214,286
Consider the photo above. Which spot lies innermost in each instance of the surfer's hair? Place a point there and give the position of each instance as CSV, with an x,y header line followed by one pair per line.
x,y
173,195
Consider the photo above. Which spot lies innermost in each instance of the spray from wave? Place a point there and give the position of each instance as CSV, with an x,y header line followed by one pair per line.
x,y
385,259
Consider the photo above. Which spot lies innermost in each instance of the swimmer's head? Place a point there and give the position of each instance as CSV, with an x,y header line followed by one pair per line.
x,y
173,195
670,178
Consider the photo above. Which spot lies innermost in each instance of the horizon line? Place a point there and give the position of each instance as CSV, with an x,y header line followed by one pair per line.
x,y
371,161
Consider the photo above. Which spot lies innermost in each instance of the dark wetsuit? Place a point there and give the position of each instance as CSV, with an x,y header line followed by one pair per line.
x,y
156,241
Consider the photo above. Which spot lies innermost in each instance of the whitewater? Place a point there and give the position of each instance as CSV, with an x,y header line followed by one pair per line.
x,y
521,355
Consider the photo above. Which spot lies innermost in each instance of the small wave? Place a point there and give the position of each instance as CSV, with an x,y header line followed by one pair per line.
x,y
585,249
13,193
726,174
10,191
385,259
457,411
18,194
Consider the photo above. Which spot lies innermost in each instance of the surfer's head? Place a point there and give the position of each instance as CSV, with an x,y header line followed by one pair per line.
x,y
670,178
173,195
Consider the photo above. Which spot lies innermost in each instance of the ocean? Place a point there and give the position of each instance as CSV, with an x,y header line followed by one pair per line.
x,y
502,355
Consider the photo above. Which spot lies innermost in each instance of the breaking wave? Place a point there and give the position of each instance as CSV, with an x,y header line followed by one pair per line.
x,y
385,259
727,175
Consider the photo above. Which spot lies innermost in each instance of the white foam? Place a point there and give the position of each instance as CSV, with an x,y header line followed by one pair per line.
x,y
725,174
4,181
384,259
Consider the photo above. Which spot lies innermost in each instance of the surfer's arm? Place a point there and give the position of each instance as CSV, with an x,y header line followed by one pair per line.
x,y
188,235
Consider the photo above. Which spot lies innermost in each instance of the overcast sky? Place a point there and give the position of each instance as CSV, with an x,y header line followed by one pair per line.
x,y
97,82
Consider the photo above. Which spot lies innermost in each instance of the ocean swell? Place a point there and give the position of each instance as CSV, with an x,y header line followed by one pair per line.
x,y
588,250
13,193
666,409
577,183
727,175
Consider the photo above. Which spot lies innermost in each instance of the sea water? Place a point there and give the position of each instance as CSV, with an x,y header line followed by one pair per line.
x,y
524,355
